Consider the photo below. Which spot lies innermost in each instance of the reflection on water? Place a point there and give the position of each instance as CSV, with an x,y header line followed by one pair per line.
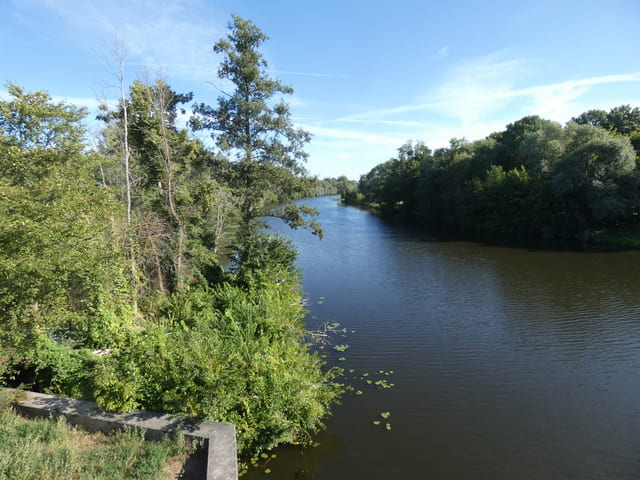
x,y
508,363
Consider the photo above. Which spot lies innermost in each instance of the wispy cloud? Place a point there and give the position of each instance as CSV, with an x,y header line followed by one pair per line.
x,y
551,100
310,74
471,100
475,91
399,123
443,52
466,87
176,36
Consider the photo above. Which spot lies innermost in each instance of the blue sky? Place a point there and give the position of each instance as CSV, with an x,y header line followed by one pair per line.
x,y
368,75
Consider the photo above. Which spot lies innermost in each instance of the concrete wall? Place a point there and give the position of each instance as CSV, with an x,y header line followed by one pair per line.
x,y
220,438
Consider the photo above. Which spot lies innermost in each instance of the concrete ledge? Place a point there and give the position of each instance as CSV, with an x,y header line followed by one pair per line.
x,y
220,438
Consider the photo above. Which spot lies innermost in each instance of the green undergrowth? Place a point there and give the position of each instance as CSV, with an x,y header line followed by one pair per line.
x,y
34,449
234,354
237,352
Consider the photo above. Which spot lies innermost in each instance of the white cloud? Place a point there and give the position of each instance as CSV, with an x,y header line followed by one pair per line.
x,y
556,101
471,88
175,36
473,99
486,89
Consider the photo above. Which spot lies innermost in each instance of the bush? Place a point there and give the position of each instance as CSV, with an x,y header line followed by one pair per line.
x,y
234,354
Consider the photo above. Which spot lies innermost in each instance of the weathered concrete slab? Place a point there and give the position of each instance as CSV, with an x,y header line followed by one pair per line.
x,y
222,441
220,438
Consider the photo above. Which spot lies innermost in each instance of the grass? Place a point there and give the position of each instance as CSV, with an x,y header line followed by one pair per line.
x,y
52,449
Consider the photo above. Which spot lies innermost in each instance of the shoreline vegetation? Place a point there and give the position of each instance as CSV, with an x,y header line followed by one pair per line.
x,y
112,285
535,180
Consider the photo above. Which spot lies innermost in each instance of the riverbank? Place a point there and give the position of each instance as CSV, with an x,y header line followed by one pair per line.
x,y
625,238
615,238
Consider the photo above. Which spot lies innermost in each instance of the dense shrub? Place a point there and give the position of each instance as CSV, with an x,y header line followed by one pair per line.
x,y
234,354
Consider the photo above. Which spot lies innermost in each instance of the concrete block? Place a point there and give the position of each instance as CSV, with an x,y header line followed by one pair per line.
x,y
220,438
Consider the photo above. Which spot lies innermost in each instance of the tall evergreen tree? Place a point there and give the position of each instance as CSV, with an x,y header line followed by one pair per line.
x,y
254,126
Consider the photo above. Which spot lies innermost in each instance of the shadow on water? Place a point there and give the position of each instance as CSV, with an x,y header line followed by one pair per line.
x,y
441,233
509,362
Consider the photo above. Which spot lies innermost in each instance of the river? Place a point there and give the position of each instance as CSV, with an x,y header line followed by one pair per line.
x,y
507,363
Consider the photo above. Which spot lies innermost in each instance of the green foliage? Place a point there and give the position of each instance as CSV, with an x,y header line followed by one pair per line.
x,y
110,280
534,179
37,135
511,138
513,203
62,278
254,125
239,357
597,178
236,353
331,186
622,120
264,254
392,182
180,211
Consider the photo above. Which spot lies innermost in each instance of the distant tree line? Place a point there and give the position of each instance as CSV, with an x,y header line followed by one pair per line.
x,y
535,179
331,186
138,274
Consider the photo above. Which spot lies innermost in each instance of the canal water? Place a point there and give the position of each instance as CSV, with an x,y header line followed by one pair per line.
x,y
491,362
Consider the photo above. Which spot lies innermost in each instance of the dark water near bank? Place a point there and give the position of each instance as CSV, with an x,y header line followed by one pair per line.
x,y
508,363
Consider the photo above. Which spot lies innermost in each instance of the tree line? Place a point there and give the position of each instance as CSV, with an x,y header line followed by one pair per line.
x,y
138,273
535,179
331,186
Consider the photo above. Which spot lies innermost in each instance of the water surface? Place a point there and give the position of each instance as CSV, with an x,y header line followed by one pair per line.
x,y
508,363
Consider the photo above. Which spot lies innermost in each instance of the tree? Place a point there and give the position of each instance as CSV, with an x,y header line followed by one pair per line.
x,y
442,178
511,138
36,135
543,148
163,156
63,282
255,127
68,322
597,176
622,120
393,182
179,209
594,117
345,186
